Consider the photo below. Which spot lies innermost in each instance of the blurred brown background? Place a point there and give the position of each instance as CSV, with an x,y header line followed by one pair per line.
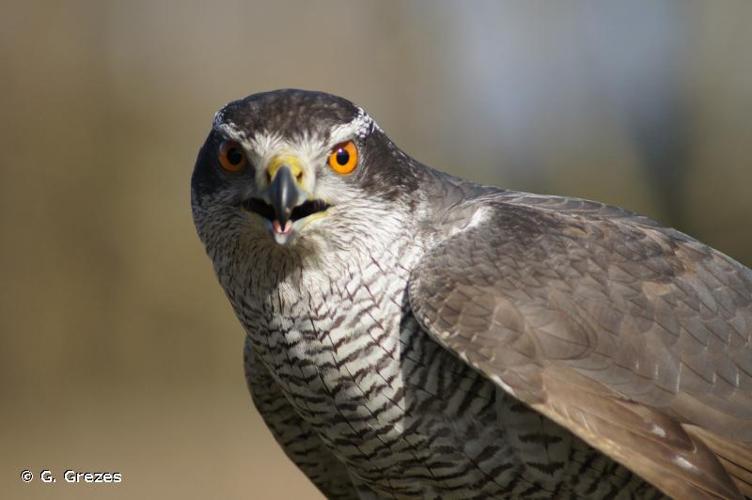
x,y
118,351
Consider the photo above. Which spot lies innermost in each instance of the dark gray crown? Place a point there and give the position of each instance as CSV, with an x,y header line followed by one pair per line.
x,y
288,112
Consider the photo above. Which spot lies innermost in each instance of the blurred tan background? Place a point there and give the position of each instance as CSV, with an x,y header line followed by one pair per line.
x,y
118,351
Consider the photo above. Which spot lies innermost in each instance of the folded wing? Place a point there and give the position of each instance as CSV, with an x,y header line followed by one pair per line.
x,y
633,336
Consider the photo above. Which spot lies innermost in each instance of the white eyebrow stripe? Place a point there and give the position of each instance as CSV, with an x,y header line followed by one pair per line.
x,y
231,131
359,127
219,117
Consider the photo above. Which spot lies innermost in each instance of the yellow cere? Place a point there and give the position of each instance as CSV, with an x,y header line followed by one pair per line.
x,y
290,161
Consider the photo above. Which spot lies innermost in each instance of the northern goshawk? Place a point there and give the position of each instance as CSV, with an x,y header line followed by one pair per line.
x,y
414,335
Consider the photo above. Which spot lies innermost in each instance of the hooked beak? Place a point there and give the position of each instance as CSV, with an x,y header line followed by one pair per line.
x,y
283,195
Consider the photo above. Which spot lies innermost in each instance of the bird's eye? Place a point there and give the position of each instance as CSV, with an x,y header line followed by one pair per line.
x,y
344,158
232,157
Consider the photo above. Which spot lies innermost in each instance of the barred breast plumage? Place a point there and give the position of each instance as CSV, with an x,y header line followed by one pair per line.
x,y
405,417
413,335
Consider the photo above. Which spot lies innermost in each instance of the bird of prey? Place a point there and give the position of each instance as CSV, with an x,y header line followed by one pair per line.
x,y
410,334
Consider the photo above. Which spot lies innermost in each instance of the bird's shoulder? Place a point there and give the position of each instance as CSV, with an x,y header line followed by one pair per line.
x,y
611,283
624,331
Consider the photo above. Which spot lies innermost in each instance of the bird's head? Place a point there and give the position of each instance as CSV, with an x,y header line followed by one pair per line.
x,y
291,167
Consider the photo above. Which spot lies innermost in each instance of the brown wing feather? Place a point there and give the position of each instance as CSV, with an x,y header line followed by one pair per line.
x,y
650,443
736,458
555,299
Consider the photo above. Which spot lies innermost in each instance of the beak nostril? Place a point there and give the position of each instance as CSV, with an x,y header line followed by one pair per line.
x,y
299,176
268,177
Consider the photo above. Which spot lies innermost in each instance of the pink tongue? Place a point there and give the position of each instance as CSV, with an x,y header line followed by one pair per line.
x,y
278,228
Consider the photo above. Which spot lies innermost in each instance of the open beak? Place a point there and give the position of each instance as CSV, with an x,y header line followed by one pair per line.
x,y
284,201
283,195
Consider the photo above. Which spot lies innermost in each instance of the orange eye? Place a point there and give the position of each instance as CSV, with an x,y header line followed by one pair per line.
x,y
344,158
232,157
